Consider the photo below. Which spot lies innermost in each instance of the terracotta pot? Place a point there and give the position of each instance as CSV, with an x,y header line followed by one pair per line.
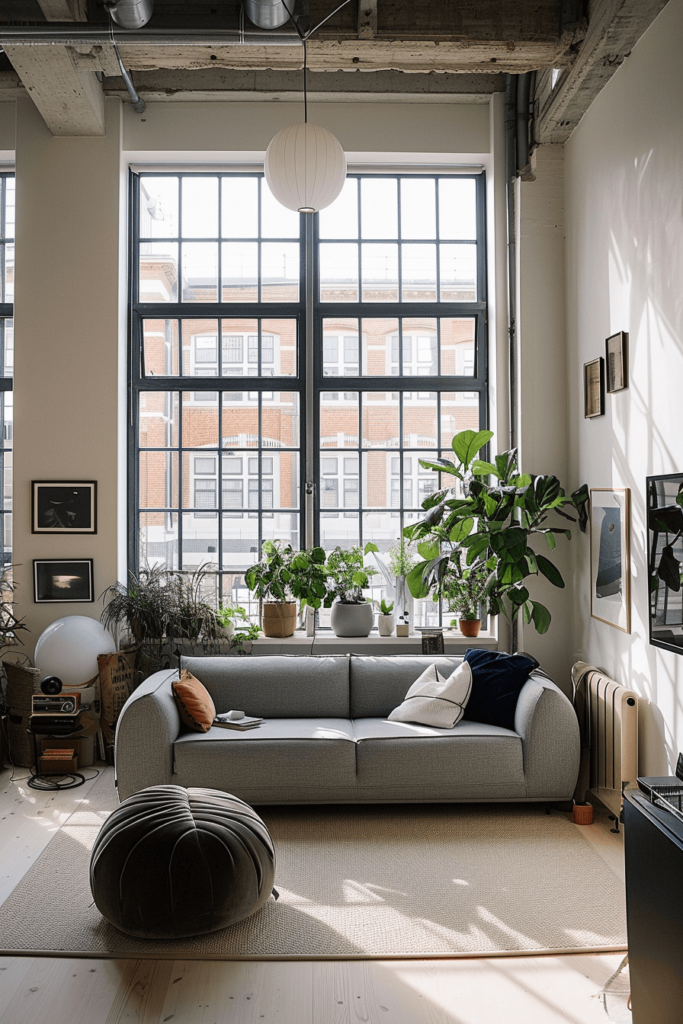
x,y
470,627
582,814
279,618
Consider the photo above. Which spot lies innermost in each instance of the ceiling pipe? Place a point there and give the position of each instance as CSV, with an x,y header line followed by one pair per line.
x,y
266,14
130,13
77,34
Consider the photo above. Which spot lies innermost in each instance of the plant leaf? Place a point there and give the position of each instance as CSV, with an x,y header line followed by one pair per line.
x,y
461,530
540,617
428,549
467,443
441,466
481,468
550,571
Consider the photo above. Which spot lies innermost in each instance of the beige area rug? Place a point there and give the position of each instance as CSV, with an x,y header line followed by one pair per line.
x,y
366,881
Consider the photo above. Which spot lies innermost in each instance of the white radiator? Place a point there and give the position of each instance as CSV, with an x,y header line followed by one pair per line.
x,y
608,717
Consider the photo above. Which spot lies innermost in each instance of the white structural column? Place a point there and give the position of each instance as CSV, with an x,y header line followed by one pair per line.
x,y
68,329
543,384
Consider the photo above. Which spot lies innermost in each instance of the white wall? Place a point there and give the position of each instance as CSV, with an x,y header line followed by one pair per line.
x,y
624,217
68,330
542,387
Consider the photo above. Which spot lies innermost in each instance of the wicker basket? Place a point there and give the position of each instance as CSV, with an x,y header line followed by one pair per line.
x,y
22,683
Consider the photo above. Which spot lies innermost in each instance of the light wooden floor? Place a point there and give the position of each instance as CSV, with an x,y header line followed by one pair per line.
x,y
504,990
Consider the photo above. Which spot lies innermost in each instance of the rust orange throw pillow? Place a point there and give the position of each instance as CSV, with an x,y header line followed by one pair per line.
x,y
195,706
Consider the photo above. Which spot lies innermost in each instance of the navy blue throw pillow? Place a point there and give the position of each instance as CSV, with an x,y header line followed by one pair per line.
x,y
497,680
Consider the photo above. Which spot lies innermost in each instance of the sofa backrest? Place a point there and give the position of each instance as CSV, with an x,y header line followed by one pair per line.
x,y
276,686
379,684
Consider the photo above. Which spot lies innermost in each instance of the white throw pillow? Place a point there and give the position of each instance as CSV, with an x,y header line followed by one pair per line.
x,y
433,700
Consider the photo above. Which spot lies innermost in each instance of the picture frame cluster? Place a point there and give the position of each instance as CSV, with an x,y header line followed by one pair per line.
x,y
605,375
63,507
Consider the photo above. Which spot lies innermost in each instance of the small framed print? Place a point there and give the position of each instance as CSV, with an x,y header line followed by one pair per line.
x,y
58,580
59,506
594,387
610,556
616,362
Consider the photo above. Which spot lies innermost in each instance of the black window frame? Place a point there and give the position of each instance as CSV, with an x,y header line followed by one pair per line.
x,y
6,382
299,311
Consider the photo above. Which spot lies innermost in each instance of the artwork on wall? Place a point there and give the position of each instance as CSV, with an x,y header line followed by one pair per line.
x,y
63,580
665,558
594,388
610,556
64,507
616,362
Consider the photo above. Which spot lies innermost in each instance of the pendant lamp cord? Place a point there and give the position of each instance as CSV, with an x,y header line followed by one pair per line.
x,y
305,88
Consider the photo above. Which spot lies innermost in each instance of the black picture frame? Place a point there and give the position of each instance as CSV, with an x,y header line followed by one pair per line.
x,y
63,581
64,506
665,552
594,388
616,362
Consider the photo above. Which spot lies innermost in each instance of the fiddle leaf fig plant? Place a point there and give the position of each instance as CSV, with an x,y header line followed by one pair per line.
x,y
484,521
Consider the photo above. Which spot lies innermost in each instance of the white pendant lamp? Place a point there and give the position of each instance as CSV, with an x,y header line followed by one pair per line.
x,y
305,164
305,167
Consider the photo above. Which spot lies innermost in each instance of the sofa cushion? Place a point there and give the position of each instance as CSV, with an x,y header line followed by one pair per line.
x,y
497,681
286,760
195,707
277,686
405,761
433,700
379,684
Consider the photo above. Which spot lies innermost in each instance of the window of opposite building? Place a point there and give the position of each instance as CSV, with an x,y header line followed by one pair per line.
x,y
224,418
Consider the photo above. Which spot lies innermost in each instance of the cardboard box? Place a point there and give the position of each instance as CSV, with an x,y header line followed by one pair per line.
x,y
57,766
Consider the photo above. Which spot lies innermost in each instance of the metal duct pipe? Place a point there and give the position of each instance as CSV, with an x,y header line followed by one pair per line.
x,y
130,13
138,104
77,34
267,14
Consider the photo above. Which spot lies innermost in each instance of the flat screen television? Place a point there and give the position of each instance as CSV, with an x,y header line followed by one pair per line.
x,y
665,560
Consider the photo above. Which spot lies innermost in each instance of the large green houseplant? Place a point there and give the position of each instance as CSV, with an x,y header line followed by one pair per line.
x,y
282,577
485,518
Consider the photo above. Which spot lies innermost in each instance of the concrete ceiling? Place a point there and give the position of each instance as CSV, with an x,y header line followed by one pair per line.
x,y
369,47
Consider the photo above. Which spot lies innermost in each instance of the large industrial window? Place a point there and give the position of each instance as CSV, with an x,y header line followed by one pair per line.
x,y
288,374
6,362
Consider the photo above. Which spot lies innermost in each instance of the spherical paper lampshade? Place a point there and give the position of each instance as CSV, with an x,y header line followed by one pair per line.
x,y
68,648
305,167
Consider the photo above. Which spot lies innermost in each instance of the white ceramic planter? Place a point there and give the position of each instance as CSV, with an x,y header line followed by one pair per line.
x,y
351,619
385,624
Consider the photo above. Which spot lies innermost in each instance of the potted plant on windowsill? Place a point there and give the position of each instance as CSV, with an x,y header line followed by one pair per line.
x,y
385,619
282,577
347,577
464,588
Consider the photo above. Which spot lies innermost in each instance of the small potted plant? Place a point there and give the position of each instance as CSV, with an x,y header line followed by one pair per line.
x,y
280,578
228,615
347,577
464,588
385,619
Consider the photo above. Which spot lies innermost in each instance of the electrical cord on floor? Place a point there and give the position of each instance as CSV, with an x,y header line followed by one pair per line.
x,y
54,783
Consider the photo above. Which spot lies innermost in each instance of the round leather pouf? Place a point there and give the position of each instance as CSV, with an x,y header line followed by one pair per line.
x,y
171,862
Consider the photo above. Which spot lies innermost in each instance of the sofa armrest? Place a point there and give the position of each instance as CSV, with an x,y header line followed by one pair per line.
x,y
147,728
549,729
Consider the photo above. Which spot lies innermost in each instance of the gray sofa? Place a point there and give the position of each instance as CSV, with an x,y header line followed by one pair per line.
x,y
326,738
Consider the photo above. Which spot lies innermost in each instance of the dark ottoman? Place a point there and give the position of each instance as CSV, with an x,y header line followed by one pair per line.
x,y
172,862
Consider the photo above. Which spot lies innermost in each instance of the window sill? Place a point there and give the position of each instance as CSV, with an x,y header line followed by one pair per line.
x,y
374,644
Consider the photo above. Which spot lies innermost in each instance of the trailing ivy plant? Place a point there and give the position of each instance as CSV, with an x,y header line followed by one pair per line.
x,y
489,514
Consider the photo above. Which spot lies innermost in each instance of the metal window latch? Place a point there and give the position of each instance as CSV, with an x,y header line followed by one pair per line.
x,y
309,488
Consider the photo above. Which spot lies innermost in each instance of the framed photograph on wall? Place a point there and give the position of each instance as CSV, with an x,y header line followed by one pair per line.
x,y
594,388
59,580
616,362
64,507
610,556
